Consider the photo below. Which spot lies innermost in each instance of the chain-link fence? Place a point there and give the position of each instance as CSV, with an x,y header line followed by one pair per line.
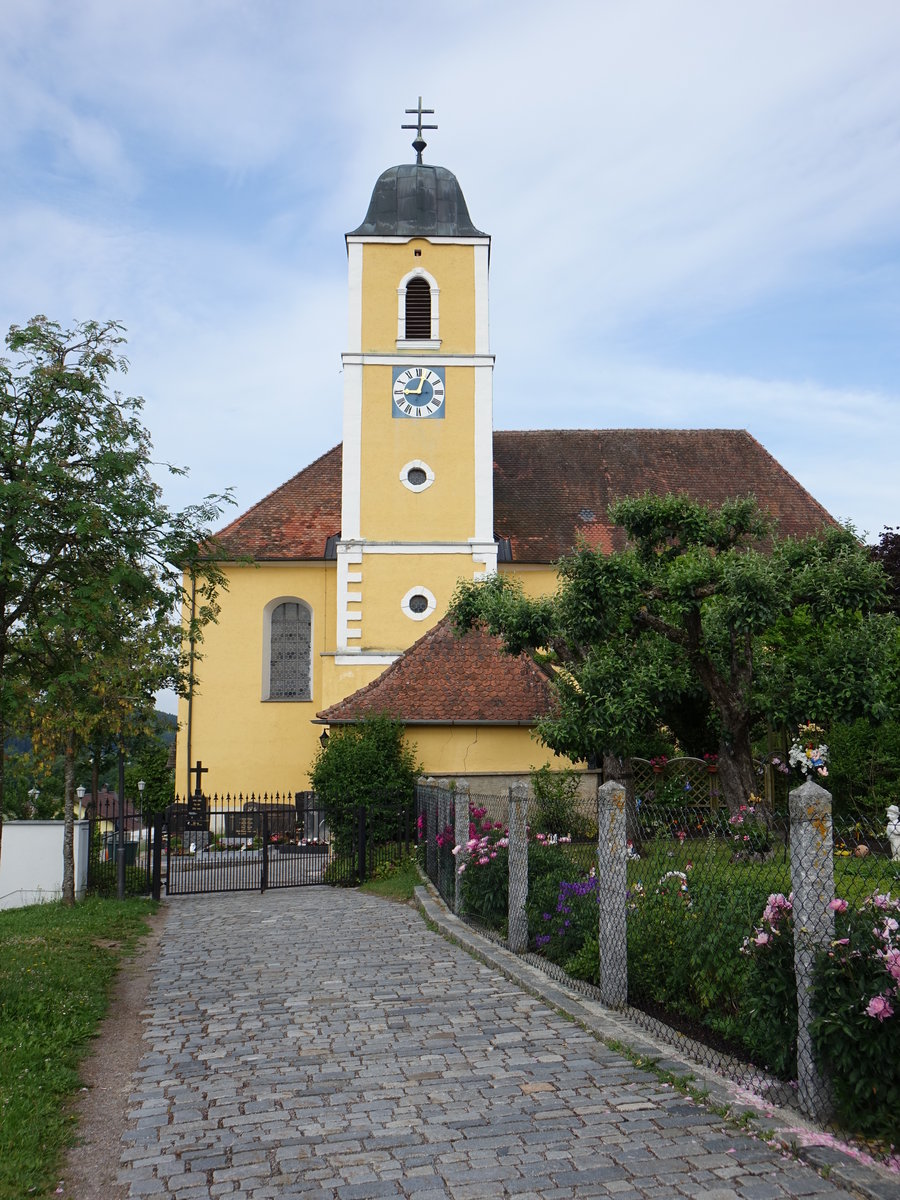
x,y
762,941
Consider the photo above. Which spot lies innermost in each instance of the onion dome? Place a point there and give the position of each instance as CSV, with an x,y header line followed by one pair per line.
x,y
417,200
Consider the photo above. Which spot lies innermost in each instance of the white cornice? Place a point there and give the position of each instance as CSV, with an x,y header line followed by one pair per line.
x,y
354,239
351,359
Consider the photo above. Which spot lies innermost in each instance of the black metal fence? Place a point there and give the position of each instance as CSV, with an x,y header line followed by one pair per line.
x,y
105,847
232,844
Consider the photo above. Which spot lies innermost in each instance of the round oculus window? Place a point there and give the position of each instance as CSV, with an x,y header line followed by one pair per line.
x,y
418,603
416,475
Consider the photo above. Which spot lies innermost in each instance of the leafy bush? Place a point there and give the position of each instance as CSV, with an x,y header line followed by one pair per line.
x,y
856,1033
556,804
769,1008
864,772
485,885
366,765
562,911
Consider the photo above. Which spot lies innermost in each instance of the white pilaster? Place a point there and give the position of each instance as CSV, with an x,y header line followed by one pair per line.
x,y
348,555
484,453
482,324
355,273
352,451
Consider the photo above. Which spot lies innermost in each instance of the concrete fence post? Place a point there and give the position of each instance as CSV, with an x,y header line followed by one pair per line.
x,y
518,868
460,837
812,881
612,852
431,829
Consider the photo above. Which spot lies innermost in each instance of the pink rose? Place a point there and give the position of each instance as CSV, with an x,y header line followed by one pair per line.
x,y
880,1008
838,906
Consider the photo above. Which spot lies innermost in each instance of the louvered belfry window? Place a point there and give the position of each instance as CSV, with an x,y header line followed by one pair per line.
x,y
290,652
418,308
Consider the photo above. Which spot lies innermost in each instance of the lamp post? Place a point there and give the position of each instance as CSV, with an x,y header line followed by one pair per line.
x,y
141,786
33,797
79,792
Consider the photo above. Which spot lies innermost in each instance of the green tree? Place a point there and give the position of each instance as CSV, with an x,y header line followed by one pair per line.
x,y
887,552
91,560
695,599
368,766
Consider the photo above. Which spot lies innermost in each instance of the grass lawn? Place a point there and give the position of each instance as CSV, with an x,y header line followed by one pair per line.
x,y
56,967
397,884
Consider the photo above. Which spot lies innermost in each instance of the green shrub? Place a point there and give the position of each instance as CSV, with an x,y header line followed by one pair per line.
x,y
366,765
769,1007
856,1033
864,771
556,807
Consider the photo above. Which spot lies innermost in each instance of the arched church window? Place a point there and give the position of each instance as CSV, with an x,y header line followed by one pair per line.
x,y
289,657
418,308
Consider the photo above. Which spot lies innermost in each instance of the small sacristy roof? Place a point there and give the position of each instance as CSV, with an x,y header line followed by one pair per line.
x,y
445,679
552,488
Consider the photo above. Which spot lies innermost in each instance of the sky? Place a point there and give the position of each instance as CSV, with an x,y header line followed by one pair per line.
x,y
694,207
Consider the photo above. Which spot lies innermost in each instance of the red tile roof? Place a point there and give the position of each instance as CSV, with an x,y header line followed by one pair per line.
x,y
293,522
553,485
443,678
550,487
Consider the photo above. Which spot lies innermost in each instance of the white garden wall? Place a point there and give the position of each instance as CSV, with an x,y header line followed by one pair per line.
x,y
31,862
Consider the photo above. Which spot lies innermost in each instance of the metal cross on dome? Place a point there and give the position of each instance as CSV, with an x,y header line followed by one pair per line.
x,y
419,144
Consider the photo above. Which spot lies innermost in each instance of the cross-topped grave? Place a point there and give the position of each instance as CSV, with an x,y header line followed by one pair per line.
x,y
419,144
199,771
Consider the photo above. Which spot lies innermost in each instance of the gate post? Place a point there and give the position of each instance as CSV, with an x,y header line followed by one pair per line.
x,y
361,843
156,859
264,869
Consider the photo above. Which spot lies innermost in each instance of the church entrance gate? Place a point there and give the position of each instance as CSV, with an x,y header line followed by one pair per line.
x,y
198,848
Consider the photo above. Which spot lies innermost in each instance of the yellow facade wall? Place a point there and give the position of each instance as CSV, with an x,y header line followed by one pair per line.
x,y
386,579
443,512
453,268
475,749
537,579
250,744
247,743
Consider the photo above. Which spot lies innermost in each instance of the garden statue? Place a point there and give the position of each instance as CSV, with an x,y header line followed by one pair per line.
x,y
893,831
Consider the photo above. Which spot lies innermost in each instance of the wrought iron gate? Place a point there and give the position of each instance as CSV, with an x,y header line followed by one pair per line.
x,y
200,848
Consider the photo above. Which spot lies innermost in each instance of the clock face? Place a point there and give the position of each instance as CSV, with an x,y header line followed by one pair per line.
x,y
418,392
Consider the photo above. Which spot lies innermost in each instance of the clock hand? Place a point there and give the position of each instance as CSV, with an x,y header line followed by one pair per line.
x,y
415,391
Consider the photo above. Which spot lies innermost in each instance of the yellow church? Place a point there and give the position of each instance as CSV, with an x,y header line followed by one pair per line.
x,y
340,579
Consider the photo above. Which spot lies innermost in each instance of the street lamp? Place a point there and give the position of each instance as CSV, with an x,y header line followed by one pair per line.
x,y
79,792
33,797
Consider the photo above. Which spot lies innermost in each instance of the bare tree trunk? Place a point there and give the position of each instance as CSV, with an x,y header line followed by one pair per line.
x,y
68,885
737,774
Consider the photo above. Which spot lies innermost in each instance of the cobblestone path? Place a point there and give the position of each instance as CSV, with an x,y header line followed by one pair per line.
x,y
322,1043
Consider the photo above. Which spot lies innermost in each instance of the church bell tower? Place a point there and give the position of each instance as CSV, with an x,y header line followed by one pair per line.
x,y
417,485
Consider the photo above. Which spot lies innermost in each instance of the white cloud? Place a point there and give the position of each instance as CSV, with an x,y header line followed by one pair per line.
x,y
191,169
